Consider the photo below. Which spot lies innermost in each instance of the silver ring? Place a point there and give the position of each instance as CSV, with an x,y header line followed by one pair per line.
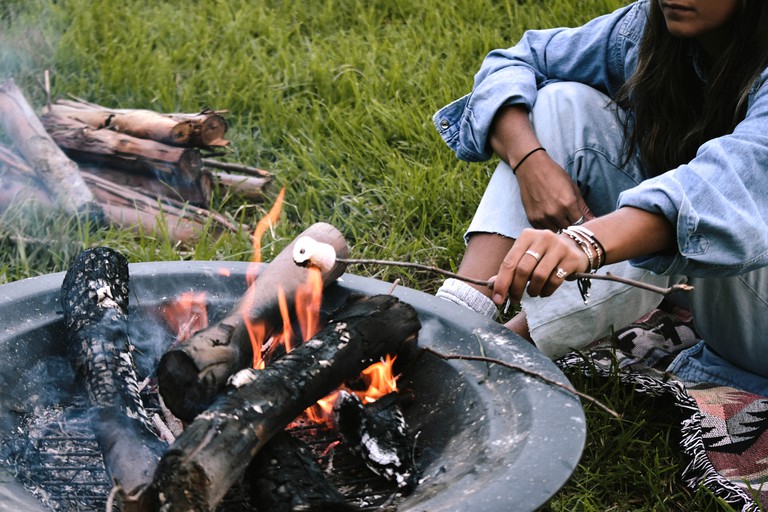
x,y
534,254
581,220
561,273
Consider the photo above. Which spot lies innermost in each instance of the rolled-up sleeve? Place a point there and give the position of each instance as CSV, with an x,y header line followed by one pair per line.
x,y
594,54
718,202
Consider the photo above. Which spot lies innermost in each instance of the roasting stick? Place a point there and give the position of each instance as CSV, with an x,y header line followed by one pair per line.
x,y
309,251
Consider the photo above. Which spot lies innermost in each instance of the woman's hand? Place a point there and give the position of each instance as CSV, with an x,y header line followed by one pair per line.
x,y
550,197
539,260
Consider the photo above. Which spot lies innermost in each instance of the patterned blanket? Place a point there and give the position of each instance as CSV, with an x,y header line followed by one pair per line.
x,y
725,432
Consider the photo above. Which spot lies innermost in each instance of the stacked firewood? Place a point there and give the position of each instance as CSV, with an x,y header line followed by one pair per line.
x,y
136,169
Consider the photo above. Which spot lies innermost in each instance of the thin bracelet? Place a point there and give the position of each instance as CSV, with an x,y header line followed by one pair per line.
x,y
515,168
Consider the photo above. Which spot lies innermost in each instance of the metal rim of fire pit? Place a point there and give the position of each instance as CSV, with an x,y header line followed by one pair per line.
x,y
520,438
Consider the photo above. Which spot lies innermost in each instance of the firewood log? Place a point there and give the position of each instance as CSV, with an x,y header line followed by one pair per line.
x,y
55,170
190,376
180,168
378,434
284,477
136,210
94,297
204,129
250,187
216,448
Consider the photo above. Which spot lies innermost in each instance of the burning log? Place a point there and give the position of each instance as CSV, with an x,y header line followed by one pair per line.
x,y
94,296
190,376
216,448
284,477
55,170
180,168
205,129
378,434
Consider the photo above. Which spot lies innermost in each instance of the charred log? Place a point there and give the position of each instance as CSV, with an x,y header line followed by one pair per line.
x,y
191,376
284,477
51,165
94,296
216,448
378,434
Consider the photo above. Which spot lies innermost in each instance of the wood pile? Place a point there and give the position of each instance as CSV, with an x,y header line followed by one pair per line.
x,y
136,169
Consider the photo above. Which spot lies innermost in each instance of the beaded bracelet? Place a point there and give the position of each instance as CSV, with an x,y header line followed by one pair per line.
x,y
515,168
586,241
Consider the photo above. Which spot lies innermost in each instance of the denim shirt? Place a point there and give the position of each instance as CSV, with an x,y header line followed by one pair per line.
x,y
718,201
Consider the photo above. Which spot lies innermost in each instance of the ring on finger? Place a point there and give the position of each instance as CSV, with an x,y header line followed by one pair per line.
x,y
581,220
561,273
535,255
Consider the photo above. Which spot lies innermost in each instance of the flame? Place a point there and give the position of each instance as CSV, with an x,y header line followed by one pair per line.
x,y
186,314
262,226
309,297
381,381
257,330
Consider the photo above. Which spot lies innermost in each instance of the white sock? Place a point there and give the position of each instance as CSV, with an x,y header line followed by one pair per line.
x,y
463,294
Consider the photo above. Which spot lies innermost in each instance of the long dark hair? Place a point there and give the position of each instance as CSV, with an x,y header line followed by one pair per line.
x,y
671,112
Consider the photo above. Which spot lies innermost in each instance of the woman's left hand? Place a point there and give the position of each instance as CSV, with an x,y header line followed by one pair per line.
x,y
540,260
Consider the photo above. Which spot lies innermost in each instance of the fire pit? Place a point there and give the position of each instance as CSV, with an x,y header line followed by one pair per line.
x,y
489,438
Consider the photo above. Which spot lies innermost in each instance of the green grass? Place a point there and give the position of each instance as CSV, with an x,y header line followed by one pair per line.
x,y
336,99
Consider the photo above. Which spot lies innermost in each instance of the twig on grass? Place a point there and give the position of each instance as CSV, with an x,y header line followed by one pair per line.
x,y
526,371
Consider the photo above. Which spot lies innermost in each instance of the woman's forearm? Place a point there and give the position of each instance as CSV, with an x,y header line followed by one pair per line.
x,y
512,135
631,232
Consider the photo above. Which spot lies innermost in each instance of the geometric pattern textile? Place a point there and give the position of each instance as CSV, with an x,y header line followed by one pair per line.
x,y
725,430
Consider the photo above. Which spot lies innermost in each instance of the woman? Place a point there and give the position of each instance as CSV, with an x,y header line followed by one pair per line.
x,y
639,137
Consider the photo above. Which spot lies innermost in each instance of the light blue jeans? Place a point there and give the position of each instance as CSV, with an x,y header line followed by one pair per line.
x,y
580,131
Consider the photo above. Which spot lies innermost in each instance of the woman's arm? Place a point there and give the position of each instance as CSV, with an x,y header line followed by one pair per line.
x,y
624,234
550,197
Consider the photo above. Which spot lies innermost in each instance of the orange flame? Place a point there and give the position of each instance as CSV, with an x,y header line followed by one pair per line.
x,y
309,297
186,315
380,380
262,226
257,330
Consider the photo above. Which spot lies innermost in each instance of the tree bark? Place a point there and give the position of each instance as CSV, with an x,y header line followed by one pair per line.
x,y
55,170
94,296
190,376
215,449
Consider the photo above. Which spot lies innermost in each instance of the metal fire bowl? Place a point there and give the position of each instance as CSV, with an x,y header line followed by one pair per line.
x,y
490,438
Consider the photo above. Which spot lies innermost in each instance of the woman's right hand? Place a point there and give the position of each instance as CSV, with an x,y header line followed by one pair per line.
x,y
550,197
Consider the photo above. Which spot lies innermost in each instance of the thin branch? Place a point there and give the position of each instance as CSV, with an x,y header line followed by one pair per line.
x,y
352,261
528,372
638,284
489,282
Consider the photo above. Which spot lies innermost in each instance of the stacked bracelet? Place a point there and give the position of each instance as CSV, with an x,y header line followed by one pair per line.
x,y
515,168
594,250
